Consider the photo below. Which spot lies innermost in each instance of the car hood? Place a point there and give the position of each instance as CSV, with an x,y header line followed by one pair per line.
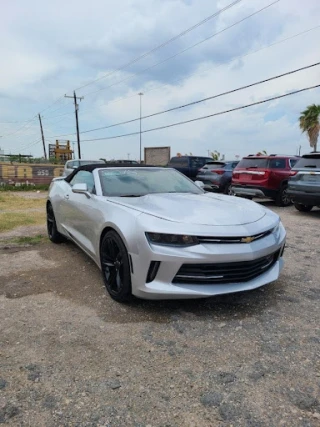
x,y
201,209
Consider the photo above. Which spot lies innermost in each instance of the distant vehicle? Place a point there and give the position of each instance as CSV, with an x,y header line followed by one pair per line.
x,y
127,162
217,175
155,234
304,185
264,177
189,165
71,165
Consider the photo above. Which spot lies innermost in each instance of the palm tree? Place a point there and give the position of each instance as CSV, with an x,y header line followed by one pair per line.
x,y
309,122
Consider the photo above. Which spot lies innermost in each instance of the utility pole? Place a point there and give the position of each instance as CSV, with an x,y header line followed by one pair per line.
x,y
76,108
140,94
42,136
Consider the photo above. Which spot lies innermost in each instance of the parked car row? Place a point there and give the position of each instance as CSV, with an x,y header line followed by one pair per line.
x,y
282,178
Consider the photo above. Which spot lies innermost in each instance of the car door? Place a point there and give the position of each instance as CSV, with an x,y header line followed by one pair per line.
x,y
278,172
80,213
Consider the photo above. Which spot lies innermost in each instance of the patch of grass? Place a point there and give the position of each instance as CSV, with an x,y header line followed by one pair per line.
x,y
33,240
10,220
24,241
14,202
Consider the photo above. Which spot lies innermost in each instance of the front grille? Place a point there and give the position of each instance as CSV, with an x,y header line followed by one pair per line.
x,y
231,272
247,239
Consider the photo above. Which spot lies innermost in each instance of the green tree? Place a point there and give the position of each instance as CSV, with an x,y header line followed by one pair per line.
x,y
215,155
309,123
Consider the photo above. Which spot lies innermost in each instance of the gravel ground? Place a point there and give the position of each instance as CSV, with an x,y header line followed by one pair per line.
x,y
70,356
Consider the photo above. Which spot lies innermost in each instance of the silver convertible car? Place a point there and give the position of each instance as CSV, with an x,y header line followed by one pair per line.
x,y
156,234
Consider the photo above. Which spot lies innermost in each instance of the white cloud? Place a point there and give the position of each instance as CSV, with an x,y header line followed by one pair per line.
x,y
53,47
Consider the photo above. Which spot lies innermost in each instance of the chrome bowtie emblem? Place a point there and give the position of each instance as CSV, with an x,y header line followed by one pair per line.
x,y
247,239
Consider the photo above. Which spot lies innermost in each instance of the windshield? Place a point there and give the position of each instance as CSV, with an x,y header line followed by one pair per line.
x,y
198,162
139,182
253,163
308,162
215,165
89,162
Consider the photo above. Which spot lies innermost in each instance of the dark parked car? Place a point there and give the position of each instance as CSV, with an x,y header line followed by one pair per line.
x,y
217,175
189,165
304,186
264,177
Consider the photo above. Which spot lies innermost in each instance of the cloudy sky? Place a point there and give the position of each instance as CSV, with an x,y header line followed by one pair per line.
x,y
49,49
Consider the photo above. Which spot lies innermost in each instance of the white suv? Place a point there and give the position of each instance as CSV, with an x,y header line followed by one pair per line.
x,y
71,165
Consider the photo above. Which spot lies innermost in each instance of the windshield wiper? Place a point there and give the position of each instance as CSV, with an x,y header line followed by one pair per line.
x,y
310,166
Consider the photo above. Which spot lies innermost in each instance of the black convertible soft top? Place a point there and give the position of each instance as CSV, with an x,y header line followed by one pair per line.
x,y
94,166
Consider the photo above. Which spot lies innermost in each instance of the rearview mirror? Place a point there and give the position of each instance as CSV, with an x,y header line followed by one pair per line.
x,y
199,184
81,188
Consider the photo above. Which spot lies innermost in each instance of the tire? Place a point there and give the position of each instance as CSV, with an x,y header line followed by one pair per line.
x,y
303,208
52,229
282,198
227,190
115,267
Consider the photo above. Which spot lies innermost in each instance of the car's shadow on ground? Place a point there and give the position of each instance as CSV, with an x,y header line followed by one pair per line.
x,y
223,307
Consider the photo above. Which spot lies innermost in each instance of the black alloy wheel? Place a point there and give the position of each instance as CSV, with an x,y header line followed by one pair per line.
x,y
303,208
53,232
115,267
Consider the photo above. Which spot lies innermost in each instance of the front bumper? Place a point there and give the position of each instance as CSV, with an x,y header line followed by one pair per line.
x,y
171,259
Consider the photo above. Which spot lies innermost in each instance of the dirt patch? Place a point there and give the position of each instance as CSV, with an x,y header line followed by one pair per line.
x,y
16,261
71,356
26,230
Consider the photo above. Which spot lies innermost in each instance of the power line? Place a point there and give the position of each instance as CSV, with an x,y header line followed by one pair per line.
x,y
190,75
25,147
184,50
18,130
200,100
233,59
205,117
163,44
152,50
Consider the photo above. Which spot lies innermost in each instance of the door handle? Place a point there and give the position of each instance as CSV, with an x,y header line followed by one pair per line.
x,y
66,196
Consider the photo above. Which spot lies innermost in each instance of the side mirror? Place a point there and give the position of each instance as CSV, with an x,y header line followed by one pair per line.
x,y
199,184
81,189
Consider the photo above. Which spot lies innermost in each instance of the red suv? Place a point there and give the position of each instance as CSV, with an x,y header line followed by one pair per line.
x,y
264,177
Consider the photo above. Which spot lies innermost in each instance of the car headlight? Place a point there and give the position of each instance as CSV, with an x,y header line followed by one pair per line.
x,y
172,239
276,229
